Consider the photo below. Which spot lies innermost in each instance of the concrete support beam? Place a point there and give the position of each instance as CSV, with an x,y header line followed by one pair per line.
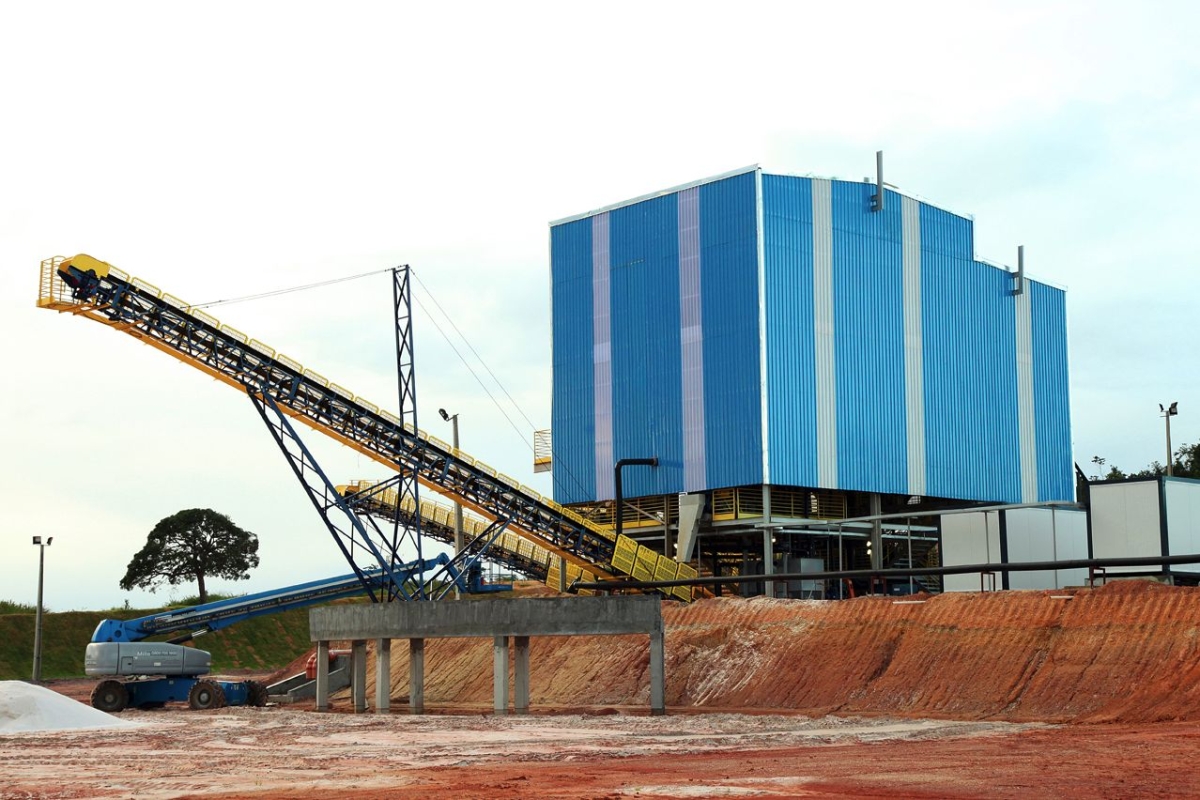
x,y
691,506
416,676
322,675
768,544
383,676
521,675
358,675
658,673
500,675
499,620
876,532
768,561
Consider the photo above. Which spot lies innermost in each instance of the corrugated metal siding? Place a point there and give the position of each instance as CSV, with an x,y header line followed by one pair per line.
x,y
602,356
914,349
970,376
572,398
729,298
647,376
869,341
947,234
695,465
959,347
791,386
824,338
1051,390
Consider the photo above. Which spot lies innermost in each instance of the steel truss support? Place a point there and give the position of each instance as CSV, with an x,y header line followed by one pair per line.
x,y
406,376
465,559
202,343
380,570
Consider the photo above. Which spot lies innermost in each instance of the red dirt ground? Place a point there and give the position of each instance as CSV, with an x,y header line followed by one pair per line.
x,y
1127,652
1115,667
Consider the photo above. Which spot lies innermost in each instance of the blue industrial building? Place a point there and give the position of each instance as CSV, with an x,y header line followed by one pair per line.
x,y
765,330
758,328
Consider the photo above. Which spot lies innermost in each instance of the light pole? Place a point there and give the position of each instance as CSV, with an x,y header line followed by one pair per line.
x,y
458,514
1168,412
37,625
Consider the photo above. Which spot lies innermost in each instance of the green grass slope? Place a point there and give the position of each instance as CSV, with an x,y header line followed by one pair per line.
x,y
262,644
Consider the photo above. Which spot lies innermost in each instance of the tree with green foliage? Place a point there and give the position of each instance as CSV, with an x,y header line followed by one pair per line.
x,y
1187,465
192,545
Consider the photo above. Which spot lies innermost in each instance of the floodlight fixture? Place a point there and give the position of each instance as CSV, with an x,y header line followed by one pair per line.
x,y
1168,412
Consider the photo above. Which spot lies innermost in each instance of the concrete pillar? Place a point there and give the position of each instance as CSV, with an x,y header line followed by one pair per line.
x,y
358,675
562,574
718,589
416,676
876,532
500,675
768,561
322,676
521,675
658,689
383,676
768,543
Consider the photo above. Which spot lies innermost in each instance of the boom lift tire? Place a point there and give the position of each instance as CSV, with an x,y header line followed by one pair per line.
x,y
256,694
110,696
206,695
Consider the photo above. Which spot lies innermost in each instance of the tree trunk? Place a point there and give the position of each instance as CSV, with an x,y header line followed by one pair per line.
x,y
203,592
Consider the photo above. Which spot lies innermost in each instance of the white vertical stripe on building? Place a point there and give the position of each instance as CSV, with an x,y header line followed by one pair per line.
x,y
1026,427
762,328
822,204
914,376
602,358
691,341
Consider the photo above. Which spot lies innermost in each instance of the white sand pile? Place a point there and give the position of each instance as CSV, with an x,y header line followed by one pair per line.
x,y
25,707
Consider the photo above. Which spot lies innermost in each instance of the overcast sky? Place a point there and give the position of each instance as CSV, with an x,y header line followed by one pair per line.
x,y
225,149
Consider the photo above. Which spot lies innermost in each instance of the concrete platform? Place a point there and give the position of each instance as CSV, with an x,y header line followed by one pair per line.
x,y
500,620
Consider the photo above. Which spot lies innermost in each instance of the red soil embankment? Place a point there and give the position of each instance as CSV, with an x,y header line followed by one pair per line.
x,y
1126,652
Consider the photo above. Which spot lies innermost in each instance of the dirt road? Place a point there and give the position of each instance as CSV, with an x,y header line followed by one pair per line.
x,y
276,753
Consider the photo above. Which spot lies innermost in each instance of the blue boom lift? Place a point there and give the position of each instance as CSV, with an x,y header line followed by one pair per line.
x,y
143,674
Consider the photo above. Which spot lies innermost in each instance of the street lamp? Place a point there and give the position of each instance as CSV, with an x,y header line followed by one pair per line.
x,y
459,544
1168,412
37,625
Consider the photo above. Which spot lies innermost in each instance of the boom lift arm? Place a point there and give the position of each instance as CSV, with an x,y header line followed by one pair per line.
x,y
159,672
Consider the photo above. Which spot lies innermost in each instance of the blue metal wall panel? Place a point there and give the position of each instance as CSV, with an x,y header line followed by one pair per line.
x,y
729,298
791,369
1056,471
646,371
572,402
965,356
970,374
947,234
869,341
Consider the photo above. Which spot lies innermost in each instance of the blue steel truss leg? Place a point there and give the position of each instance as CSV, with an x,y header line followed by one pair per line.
x,y
464,560
406,376
386,582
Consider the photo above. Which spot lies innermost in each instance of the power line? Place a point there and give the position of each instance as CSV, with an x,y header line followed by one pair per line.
x,y
528,444
289,290
474,352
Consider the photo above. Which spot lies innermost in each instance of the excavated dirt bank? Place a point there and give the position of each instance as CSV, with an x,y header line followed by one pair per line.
x,y
1126,652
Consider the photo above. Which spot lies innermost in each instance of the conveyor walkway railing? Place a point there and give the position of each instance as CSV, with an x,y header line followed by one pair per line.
x,y
87,287
437,521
